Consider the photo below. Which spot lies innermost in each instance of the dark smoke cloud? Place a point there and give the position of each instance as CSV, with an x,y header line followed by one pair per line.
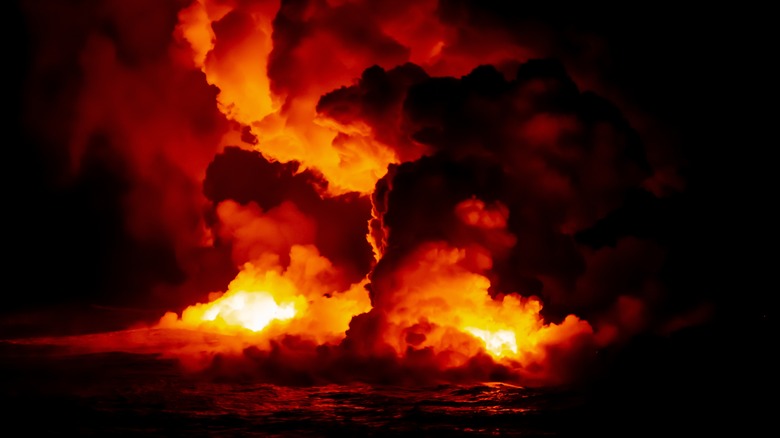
x,y
628,61
376,99
562,161
591,239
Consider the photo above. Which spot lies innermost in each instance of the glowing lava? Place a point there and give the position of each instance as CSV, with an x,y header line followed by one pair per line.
x,y
251,310
499,343
440,305
267,300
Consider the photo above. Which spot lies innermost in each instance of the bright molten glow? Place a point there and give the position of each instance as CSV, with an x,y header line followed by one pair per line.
x,y
498,343
265,301
441,305
251,310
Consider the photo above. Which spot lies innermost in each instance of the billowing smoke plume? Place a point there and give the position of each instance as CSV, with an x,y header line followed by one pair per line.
x,y
351,190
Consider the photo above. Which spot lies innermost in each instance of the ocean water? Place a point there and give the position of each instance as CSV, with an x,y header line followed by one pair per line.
x,y
82,386
125,394
691,384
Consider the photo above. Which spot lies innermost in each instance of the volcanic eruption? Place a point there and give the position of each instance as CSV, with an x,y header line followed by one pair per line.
x,y
345,190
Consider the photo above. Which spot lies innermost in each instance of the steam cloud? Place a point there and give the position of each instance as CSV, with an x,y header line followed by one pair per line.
x,y
368,158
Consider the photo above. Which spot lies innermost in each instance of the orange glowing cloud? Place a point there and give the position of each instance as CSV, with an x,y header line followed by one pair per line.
x,y
232,43
266,301
253,233
439,304
271,73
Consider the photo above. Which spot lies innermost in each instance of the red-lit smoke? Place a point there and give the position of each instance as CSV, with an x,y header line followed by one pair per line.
x,y
360,190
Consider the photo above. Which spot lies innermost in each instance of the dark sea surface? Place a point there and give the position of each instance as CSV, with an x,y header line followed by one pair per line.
x,y
49,389
124,394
